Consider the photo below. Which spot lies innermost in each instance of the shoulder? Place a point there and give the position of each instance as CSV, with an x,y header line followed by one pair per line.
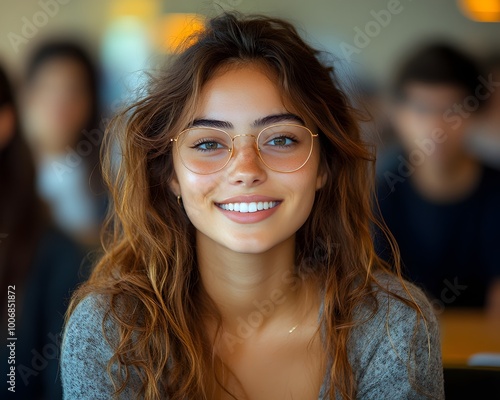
x,y
86,352
395,349
391,313
89,314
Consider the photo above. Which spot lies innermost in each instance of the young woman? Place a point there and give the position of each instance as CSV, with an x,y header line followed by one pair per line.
x,y
239,261
61,115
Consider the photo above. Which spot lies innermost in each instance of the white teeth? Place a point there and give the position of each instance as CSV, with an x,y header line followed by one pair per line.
x,y
249,207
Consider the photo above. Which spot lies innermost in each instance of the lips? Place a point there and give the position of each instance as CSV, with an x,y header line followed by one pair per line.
x,y
249,209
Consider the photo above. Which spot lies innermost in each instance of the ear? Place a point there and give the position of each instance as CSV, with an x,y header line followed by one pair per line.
x,y
321,178
174,185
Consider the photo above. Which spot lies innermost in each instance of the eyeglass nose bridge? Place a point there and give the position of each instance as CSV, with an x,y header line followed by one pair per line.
x,y
244,134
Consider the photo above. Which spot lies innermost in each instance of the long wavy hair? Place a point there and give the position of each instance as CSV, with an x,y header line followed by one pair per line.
x,y
148,268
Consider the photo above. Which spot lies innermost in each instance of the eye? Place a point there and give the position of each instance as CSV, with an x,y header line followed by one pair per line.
x,y
207,145
281,141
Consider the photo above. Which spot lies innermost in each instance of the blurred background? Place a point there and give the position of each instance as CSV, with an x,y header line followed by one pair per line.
x,y
425,75
148,27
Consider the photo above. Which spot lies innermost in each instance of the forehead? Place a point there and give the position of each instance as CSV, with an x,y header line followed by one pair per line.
x,y
238,93
435,93
61,71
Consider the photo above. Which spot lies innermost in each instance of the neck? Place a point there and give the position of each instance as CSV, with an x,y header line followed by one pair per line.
x,y
258,289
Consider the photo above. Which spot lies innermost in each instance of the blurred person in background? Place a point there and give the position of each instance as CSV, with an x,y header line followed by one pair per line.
x,y
441,204
62,125
368,102
485,142
374,121
39,265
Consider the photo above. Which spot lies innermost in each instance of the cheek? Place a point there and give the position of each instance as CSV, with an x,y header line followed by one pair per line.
x,y
415,127
301,185
196,190
454,140
81,108
405,126
419,124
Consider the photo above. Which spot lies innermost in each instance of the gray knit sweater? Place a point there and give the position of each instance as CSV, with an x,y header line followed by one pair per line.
x,y
382,354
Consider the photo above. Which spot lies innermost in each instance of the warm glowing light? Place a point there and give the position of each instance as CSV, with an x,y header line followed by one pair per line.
x,y
481,10
174,29
144,9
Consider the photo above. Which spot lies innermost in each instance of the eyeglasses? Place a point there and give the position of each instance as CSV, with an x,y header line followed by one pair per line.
x,y
281,147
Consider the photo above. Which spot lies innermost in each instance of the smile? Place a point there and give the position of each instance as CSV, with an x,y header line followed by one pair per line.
x,y
248,207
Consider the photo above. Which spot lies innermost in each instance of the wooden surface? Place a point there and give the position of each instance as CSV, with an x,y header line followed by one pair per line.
x,y
466,332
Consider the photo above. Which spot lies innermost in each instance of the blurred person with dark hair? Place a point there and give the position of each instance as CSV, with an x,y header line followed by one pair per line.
x,y
62,124
38,267
439,201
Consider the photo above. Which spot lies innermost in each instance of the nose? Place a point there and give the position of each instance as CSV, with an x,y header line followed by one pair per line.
x,y
246,167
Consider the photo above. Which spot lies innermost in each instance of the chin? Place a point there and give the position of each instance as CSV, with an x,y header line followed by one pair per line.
x,y
249,245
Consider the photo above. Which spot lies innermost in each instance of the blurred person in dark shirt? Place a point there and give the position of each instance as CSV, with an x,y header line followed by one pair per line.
x,y
441,204
39,267
61,120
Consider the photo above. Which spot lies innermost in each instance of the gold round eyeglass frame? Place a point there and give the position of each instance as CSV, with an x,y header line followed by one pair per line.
x,y
256,143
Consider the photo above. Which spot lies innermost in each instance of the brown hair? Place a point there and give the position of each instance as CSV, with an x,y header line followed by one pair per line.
x,y
148,268
21,212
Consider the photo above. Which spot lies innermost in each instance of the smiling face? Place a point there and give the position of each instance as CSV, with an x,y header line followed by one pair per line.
x,y
268,207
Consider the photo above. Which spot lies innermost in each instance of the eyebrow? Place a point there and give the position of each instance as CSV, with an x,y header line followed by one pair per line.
x,y
260,122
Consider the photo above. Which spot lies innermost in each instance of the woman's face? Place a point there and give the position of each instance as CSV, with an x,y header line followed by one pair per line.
x,y
58,104
240,96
